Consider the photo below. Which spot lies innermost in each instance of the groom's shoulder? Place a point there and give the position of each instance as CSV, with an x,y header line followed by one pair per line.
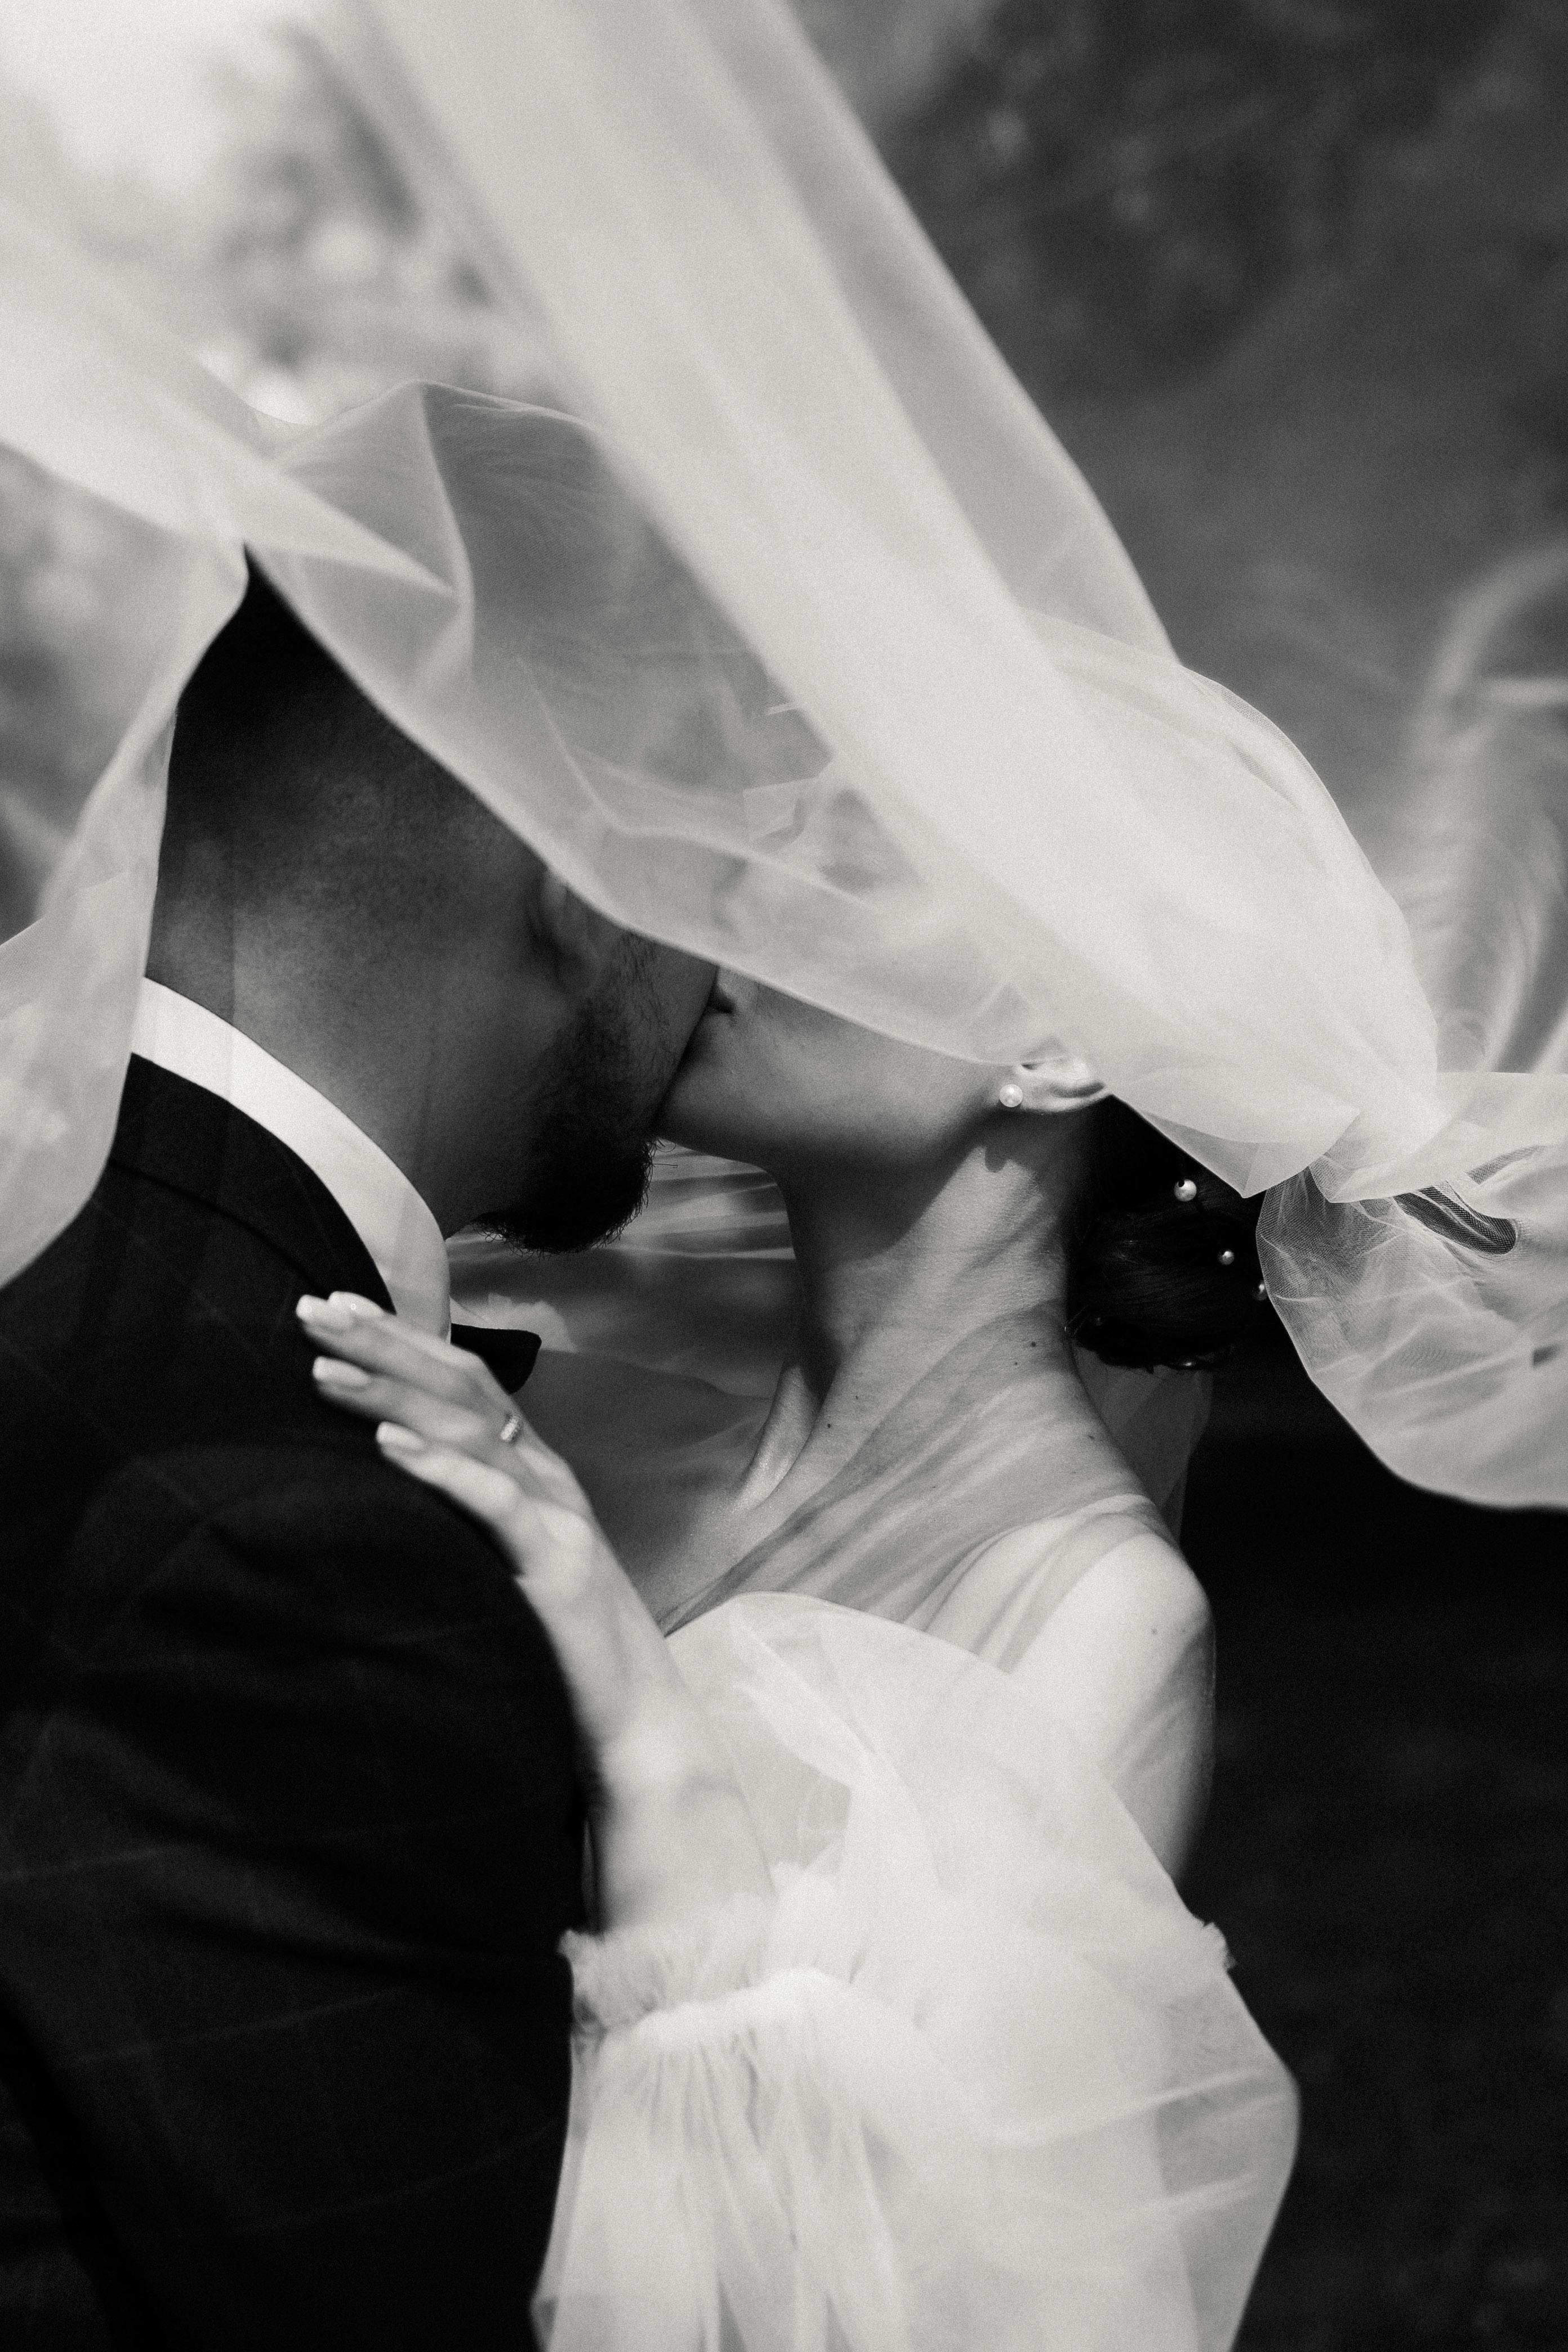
x,y
165,1310
161,1427
283,1588
319,1554
145,1271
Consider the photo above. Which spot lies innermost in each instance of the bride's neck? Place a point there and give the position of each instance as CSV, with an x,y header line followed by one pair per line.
x,y
896,1270
902,1268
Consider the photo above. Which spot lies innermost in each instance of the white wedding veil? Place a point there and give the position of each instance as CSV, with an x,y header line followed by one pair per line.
x,y
780,625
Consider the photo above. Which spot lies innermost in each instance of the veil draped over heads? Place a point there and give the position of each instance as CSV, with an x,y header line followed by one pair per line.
x,y
782,627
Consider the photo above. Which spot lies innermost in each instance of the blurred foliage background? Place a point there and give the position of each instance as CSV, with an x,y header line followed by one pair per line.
x,y
1290,278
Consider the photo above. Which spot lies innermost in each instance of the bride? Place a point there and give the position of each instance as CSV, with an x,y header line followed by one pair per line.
x,y
779,625
1077,2135
930,1452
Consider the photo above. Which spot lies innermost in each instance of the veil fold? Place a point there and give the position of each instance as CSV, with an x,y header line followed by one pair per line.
x,y
780,625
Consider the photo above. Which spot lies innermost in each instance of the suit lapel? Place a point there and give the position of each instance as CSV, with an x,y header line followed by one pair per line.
x,y
178,1134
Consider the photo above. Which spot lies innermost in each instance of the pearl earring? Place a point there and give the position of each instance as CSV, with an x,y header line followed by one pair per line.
x,y
1011,1095
1185,1191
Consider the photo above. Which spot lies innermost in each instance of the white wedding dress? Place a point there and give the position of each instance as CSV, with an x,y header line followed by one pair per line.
x,y
978,2078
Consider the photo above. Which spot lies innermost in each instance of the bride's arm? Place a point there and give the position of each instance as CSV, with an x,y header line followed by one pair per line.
x,y
671,1834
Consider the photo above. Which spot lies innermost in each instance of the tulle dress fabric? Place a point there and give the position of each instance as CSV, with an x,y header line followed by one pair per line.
x,y
974,2077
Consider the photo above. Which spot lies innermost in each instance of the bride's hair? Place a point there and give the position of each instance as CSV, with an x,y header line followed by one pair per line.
x,y
1162,1266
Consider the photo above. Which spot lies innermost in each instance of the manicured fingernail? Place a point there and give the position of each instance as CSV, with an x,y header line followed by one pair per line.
x,y
396,1439
323,1316
332,1374
363,1310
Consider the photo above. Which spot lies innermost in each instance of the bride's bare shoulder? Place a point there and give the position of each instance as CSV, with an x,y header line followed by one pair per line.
x,y
1113,1573
1142,1604
1125,1658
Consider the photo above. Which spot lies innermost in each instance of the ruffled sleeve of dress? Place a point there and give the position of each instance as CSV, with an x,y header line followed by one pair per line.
x,y
973,2077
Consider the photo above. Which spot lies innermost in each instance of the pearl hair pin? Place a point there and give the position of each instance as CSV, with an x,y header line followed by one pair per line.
x,y
1011,1095
1185,1189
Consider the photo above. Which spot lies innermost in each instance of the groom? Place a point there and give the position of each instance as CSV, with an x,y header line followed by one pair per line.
x,y
288,1822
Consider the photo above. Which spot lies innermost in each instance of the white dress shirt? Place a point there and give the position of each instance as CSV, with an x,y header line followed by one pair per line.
x,y
374,1194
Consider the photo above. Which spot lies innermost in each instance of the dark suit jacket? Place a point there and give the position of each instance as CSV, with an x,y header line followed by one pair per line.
x,y
289,1822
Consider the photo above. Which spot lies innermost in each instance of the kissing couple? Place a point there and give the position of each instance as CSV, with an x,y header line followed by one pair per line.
x,y
494,1844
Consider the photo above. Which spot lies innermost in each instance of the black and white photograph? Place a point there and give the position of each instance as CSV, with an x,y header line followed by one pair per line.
x,y
783,1176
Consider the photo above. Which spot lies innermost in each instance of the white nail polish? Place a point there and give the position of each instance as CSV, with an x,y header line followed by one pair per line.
x,y
396,1439
321,1314
332,1374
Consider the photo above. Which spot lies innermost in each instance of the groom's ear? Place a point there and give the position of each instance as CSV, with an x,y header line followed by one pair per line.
x,y
569,940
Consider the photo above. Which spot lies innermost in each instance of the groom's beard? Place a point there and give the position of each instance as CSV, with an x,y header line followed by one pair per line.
x,y
593,1114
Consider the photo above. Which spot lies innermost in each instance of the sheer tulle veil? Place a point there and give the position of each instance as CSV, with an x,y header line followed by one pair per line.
x,y
781,625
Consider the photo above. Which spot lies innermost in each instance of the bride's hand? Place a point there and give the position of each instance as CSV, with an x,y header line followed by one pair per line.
x,y
671,1833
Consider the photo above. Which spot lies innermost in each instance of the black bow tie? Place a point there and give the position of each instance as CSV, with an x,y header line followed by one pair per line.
x,y
510,1355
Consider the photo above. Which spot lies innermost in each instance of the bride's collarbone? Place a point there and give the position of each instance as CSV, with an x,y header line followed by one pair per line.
x,y
688,1479
974,1454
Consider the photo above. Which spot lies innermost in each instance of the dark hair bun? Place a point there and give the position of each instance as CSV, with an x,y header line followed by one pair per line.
x,y
1164,1267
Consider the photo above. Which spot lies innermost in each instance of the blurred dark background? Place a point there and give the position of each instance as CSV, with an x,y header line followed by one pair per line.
x,y
1290,280
1387,1853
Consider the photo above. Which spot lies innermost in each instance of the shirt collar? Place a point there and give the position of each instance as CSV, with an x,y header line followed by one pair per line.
x,y
373,1193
